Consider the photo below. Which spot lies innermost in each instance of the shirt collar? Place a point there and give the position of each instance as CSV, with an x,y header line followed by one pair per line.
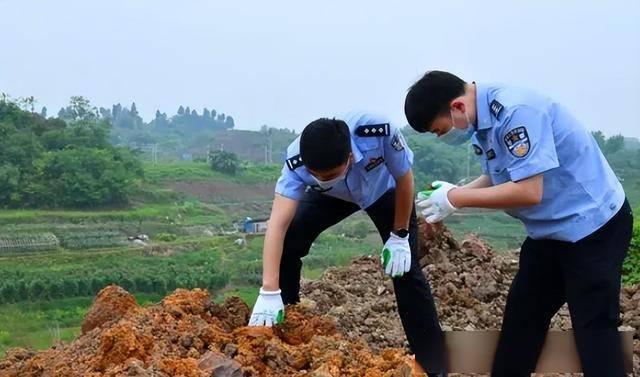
x,y
483,113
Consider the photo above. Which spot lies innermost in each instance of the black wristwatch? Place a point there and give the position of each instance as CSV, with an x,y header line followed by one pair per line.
x,y
402,232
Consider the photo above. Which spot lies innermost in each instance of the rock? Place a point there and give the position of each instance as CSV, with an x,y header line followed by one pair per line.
x,y
215,364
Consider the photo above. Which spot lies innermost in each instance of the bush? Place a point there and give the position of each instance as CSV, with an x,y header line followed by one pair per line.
x,y
631,267
224,162
8,293
166,237
36,290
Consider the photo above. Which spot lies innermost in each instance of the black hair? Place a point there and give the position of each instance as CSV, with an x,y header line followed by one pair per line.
x,y
325,144
430,97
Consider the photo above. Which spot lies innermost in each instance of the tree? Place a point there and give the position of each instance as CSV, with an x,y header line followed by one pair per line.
x,y
116,110
10,178
206,114
180,110
27,103
43,112
80,109
229,123
225,162
614,144
47,163
88,177
600,139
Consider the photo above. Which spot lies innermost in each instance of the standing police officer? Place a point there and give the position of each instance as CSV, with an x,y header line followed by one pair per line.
x,y
334,169
545,169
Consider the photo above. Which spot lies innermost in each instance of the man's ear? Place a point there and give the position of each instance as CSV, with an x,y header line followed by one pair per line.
x,y
458,104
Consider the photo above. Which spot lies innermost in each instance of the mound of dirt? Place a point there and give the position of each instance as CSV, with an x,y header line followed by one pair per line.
x,y
188,335
469,280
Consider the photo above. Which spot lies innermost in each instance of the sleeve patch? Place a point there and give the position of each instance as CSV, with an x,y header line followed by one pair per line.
x,y
370,130
397,143
496,108
294,162
517,142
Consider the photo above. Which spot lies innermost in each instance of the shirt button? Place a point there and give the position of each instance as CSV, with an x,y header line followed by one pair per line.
x,y
612,206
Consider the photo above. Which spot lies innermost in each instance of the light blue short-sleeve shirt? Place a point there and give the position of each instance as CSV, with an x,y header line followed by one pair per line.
x,y
520,134
380,156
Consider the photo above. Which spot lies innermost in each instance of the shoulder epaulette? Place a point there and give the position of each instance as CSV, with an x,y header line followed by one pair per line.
x,y
369,130
294,162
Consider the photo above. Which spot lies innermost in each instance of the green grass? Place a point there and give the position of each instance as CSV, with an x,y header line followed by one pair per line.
x,y
181,171
500,230
193,263
633,193
186,212
248,294
631,267
38,325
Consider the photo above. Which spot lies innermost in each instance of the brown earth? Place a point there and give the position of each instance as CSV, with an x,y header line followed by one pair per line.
x,y
469,282
347,324
188,335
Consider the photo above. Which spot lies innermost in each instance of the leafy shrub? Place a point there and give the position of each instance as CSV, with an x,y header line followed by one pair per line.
x,y
631,267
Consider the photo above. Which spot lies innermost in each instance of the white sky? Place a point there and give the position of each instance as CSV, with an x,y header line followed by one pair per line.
x,y
285,63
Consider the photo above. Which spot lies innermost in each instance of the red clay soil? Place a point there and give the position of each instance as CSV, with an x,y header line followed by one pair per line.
x,y
188,335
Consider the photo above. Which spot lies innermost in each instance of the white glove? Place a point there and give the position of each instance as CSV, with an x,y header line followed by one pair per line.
x,y
268,310
438,207
396,256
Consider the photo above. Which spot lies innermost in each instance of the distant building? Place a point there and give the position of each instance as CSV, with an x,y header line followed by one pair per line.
x,y
255,226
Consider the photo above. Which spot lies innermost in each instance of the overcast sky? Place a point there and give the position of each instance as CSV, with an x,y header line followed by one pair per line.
x,y
285,63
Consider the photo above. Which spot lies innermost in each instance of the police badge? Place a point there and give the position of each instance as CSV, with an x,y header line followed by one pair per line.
x,y
517,142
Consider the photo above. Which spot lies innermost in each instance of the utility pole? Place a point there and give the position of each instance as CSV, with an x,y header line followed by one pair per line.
x,y
208,151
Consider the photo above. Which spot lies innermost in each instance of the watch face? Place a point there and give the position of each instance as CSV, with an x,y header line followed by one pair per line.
x,y
401,232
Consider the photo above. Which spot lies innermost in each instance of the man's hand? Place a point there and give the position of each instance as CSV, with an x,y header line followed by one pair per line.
x,y
268,310
396,256
437,206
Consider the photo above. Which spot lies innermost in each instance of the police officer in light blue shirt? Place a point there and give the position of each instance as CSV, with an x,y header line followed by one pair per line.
x,y
334,169
544,168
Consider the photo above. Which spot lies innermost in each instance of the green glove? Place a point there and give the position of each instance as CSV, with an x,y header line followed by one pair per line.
x,y
424,195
